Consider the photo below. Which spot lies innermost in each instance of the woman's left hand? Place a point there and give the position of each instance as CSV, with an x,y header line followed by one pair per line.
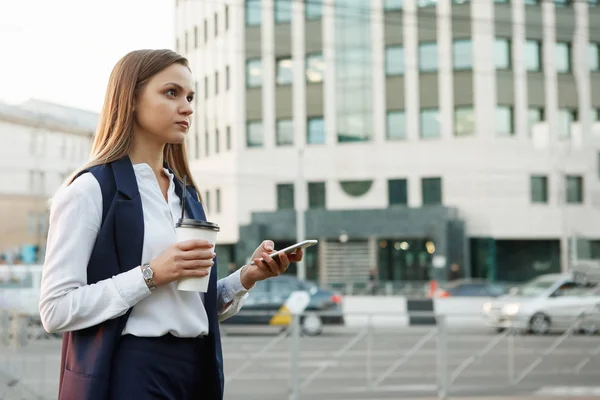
x,y
268,267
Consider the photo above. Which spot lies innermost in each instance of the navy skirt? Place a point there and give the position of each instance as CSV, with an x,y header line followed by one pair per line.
x,y
165,368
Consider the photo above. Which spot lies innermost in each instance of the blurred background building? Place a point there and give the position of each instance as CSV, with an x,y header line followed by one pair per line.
x,y
41,144
414,134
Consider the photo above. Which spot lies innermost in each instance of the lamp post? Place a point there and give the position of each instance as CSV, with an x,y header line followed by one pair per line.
x,y
300,201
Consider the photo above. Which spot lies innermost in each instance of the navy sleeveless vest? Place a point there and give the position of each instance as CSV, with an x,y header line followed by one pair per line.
x,y
87,354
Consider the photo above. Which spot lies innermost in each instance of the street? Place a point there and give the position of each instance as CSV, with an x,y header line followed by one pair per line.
x,y
354,363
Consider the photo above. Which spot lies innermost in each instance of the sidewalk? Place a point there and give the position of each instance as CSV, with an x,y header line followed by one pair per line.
x,y
517,397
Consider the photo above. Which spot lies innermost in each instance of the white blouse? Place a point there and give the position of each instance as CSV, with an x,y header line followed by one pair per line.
x,y
68,303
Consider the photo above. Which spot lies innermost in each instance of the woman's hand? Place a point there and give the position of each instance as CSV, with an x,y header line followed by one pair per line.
x,y
190,258
268,267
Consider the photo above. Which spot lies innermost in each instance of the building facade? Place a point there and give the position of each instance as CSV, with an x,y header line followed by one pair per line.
x,y
411,134
40,145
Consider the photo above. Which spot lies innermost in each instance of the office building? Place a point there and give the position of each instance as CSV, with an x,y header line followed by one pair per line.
x,y
414,134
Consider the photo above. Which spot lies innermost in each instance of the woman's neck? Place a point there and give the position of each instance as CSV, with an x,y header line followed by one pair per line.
x,y
148,155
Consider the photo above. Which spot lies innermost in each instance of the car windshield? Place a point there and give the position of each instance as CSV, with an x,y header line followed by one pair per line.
x,y
535,287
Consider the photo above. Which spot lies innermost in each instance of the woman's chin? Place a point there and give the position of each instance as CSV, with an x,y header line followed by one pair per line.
x,y
177,138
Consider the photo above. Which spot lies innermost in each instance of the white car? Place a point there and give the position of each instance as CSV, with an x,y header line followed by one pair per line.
x,y
547,303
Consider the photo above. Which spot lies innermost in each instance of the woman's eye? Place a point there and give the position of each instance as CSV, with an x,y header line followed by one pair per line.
x,y
171,92
190,98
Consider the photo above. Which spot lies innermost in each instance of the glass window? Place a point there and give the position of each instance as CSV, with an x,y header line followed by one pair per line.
x,y
565,118
504,121
394,60
426,3
563,57
462,54
254,134
313,9
227,78
315,67
502,53
397,191
218,200
315,131
284,71
430,124
316,195
392,4
216,24
428,57
226,17
574,189
533,55
539,189
254,73
534,115
206,144
431,191
285,132
396,125
464,121
593,57
216,82
285,196
354,70
283,11
228,137
253,11
562,3
356,188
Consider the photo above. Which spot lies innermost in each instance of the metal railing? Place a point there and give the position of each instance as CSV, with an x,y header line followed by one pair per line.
x,y
447,359
378,354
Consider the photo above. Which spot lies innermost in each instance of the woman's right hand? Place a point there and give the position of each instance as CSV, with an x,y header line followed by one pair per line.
x,y
190,258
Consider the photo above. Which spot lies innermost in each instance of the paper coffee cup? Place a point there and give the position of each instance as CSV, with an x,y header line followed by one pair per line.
x,y
191,229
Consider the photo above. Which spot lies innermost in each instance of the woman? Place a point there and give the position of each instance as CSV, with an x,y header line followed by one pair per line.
x,y
113,261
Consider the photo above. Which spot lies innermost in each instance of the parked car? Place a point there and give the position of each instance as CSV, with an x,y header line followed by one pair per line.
x,y
547,303
265,301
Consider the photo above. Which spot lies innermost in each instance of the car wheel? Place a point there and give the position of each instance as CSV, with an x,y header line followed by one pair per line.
x,y
588,328
539,324
312,325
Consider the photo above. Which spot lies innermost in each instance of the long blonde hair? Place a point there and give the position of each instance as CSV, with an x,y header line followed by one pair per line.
x,y
114,135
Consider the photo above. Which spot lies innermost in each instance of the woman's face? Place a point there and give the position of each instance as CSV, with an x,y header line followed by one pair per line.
x,y
163,110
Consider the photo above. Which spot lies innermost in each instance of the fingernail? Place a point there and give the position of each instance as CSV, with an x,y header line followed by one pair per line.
x,y
214,255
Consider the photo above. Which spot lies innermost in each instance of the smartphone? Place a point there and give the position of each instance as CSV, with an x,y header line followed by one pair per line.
x,y
291,249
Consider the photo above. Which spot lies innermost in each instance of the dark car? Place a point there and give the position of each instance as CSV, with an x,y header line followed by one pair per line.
x,y
473,288
266,299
